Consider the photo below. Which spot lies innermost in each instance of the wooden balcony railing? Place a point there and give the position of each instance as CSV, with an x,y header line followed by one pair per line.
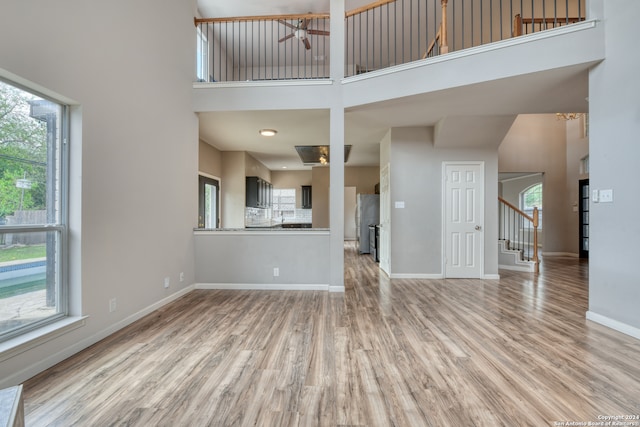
x,y
523,26
519,230
377,36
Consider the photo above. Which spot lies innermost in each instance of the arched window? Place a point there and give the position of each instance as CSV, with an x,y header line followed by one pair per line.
x,y
532,197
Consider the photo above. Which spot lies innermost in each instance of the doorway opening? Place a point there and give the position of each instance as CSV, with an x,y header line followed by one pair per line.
x,y
208,202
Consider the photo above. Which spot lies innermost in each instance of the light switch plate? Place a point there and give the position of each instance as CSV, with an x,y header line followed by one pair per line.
x,y
606,196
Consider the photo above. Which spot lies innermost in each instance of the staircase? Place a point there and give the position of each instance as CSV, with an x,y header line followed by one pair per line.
x,y
517,238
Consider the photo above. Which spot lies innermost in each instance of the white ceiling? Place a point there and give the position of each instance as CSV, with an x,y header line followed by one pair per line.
x,y
457,111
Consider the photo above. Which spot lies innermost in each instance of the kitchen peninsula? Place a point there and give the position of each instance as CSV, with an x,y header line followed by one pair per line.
x,y
272,258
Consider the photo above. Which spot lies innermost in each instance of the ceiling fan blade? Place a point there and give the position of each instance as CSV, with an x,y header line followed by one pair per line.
x,y
318,32
304,23
286,24
306,42
286,37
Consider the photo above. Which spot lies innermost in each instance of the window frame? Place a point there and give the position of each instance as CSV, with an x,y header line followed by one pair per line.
x,y
61,226
202,56
529,211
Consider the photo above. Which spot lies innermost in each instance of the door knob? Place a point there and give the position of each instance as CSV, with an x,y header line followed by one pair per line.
x,y
478,228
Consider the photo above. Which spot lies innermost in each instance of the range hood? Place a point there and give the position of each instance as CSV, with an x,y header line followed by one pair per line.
x,y
313,155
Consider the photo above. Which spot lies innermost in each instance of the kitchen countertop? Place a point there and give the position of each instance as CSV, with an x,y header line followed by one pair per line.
x,y
261,229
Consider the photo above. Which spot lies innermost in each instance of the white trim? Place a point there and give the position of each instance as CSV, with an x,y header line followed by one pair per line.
x,y
491,277
32,339
416,276
521,177
263,83
477,50
560,254
529,268
206,175
336,288
268,287
613,324
49,361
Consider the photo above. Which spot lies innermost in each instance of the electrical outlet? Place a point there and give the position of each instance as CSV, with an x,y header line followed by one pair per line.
x,y
182,276
112,305
167,281
276,271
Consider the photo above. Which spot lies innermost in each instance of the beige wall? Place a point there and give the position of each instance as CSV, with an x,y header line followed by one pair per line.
x,y
542,143
292,179
209,160
232,190
255,168
364,178
235,167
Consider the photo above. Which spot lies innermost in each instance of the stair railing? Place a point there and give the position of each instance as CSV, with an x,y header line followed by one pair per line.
x,y
519,230
522,26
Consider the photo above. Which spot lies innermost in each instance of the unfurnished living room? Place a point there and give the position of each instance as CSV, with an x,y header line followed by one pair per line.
x,y
335,213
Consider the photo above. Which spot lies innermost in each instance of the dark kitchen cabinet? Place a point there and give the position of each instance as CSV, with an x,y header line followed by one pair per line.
x,y
259,193
306,197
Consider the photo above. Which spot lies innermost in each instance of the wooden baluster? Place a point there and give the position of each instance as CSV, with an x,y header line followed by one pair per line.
x,y
444,46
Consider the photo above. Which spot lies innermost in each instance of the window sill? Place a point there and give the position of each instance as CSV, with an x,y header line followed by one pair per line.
x,y
22,343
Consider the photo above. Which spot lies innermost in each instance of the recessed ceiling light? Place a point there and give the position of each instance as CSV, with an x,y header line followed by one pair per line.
x,y
267,132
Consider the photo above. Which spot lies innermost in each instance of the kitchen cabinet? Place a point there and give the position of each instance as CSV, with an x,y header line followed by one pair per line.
x,y
259,193
306,197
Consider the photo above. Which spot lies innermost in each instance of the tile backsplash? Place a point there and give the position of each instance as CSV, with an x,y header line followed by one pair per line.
x,y
257,217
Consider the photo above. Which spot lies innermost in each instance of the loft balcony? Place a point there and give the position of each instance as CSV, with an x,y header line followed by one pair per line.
x,y
378,36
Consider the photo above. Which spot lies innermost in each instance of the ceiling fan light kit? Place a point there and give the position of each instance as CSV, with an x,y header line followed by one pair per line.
x,y
301,31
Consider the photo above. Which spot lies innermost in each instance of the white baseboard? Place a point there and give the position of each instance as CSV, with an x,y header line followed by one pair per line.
x,y
491,277
51,360
336,289
265,287
524,268
415,276
614,324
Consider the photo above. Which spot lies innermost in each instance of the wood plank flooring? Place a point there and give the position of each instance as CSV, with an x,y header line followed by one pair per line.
x,y
514,352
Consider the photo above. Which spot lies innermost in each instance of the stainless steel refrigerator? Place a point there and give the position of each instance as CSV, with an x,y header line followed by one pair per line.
x,y
367,213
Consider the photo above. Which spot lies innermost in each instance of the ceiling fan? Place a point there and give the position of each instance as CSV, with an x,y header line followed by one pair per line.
x,y
302,31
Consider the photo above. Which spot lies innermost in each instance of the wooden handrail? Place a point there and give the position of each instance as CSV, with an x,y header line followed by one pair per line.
x,y
516,209
535,221
519,22
264,18
433,43
441,35
367,7
293,16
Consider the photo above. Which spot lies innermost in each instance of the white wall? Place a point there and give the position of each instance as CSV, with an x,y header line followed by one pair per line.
x,y
614,288
416,179
128,66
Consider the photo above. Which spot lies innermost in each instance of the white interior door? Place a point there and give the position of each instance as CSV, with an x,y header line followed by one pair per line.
x,y
349,213
385,221
463,219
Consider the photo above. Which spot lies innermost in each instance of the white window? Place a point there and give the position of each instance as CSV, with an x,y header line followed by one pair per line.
x,y
532,197
202,56
33,213
284,203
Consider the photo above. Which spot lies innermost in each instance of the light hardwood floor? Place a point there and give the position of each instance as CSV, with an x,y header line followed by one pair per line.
x,y
514,352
